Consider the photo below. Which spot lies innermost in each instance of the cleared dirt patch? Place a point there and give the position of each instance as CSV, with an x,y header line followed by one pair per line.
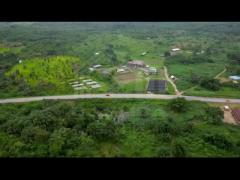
x,y
228,118
126,77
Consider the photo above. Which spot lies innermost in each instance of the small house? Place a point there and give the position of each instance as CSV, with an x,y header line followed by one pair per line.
x,y
157,86
120,70
144,53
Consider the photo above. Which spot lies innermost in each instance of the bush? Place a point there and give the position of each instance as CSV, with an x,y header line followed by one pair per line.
x,y
218,140
164,152
103,130
214,115
178,150
178,104
210,84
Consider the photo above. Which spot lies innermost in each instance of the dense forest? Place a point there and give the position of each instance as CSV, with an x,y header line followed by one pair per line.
x,y
116,128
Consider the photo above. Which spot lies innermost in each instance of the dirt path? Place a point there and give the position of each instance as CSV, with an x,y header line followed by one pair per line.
x,y
228,118
218,75
170,80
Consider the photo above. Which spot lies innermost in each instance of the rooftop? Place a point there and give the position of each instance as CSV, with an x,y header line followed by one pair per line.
x,y
136,62
175,49
157,86
236,114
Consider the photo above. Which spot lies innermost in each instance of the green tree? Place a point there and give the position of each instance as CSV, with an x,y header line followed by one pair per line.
x,y
214,115
210,84
178,150
103,130
178,104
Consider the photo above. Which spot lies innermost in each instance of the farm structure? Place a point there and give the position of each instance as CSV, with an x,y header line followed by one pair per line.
x,y
157,86
85,84
136,64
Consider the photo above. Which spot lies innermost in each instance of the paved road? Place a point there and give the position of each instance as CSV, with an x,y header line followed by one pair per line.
x,y
116,96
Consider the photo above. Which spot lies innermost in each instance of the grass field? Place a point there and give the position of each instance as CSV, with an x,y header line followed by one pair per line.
x,y
55,70
4,49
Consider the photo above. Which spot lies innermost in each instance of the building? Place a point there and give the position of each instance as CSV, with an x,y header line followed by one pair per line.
x,y
152,70
97,66
236,114
226,108
174,51
157,86
144,53
120,70
234,77
172,77
96,86
136,63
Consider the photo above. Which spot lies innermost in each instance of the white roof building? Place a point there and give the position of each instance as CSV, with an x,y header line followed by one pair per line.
x,y
153,69
92,82
77,85
226,107
175,49
97,66
144,53
96,86
97,53
120,70
79,88
87,80
91,69
20,61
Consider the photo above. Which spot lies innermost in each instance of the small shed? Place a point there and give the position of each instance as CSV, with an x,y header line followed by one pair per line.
x,y
226,108
97,66
120,70
172,77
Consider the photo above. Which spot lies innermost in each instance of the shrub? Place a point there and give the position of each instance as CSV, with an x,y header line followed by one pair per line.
x,y
178,150
178,104
214,115
218,140
164,152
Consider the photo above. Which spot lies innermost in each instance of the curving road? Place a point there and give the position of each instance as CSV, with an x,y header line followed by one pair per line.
x,y
117,96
